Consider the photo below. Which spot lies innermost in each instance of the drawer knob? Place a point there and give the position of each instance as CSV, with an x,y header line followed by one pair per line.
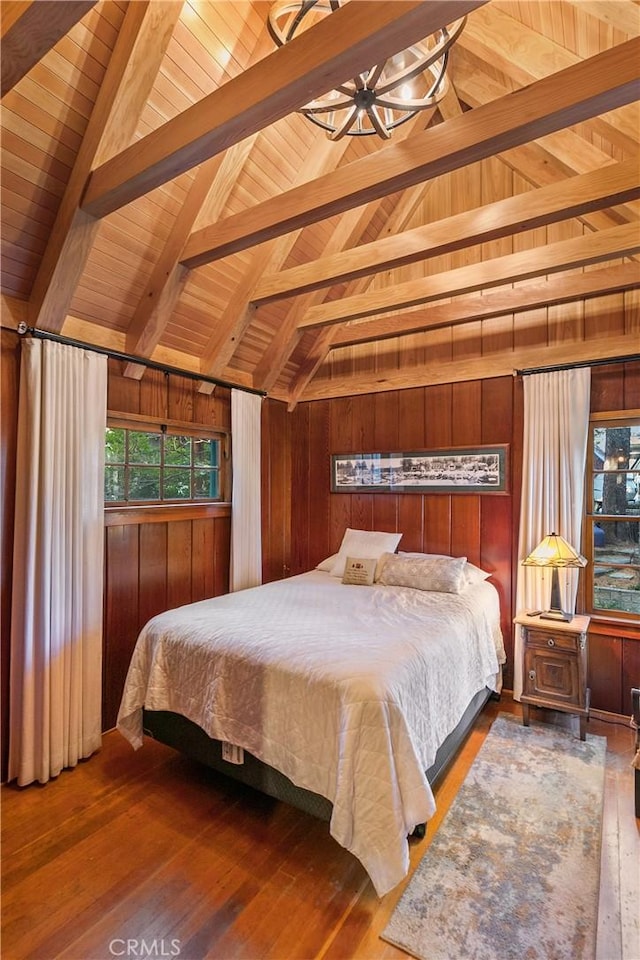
x,y
551,642
532,674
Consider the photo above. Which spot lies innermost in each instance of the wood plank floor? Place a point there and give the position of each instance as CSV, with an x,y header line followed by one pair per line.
x,y
150,848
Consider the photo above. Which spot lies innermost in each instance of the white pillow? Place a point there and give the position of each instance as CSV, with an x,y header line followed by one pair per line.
x,y
328,563
437,574
364,544
475,574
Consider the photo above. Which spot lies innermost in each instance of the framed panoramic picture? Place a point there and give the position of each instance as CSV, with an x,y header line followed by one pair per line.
x,y
455,470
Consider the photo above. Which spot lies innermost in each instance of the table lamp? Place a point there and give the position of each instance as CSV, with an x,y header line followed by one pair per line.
x,y
554,552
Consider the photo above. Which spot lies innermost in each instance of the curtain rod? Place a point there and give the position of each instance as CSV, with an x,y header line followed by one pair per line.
x,y
24,330
578,363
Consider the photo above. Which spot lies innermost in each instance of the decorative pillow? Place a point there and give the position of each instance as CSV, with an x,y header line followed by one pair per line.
x,y
473,574
359,571
364,544
328,563
437,574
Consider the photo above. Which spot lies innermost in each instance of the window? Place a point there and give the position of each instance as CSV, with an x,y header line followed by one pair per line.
x,y
613,516
160,466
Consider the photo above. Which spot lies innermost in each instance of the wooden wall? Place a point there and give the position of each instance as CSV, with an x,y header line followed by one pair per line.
x,y
157,560
462,414
485,527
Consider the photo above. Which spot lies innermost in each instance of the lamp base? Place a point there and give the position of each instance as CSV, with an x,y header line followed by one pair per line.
x,y
556,615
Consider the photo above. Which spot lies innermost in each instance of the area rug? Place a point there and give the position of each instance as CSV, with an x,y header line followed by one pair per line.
x,y
514,869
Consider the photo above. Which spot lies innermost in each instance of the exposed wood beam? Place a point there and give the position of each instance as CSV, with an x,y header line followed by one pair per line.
x,y
168,277
591,191
349,231
324,155
31,29
525,56
593,86
558,155
553,258
348,41
136,57
495,303
499,364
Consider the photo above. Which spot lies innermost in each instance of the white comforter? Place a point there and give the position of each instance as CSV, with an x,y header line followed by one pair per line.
x,y
347,690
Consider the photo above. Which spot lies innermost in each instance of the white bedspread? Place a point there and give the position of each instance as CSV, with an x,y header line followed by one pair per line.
x,y
347,690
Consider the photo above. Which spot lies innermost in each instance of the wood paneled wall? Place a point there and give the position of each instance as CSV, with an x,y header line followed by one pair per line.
x,y
484,527
159,559
461,414
154,562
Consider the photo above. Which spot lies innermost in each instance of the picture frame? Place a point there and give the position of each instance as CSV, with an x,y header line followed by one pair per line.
x,y
482,469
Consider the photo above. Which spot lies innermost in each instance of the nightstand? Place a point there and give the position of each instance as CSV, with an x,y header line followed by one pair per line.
x,y
554,669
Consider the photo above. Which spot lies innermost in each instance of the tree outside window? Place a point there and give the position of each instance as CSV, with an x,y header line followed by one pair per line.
x,y
143,466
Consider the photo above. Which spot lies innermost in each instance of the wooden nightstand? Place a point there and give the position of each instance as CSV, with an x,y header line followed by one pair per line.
x,y
554,669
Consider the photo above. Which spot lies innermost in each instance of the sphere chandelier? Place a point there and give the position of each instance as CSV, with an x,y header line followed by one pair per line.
x,y
379,99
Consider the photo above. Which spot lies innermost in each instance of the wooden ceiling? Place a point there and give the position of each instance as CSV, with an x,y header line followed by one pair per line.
x,y
161,196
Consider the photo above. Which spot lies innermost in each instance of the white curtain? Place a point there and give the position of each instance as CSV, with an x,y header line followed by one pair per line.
x,y
556,424
56,615
246,532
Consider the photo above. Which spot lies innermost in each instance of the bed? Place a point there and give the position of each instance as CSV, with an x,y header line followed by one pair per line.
x,y
350,695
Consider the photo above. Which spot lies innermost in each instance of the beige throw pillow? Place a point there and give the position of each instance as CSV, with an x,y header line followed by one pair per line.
x,y
437,574
359,571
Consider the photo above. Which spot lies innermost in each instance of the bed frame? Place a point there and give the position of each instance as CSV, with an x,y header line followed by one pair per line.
x,y
176,731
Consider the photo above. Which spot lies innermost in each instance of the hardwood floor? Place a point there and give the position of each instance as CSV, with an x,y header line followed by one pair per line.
x,y
148,854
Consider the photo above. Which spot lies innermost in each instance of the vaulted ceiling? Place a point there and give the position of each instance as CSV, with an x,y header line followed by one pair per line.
x,y
162,197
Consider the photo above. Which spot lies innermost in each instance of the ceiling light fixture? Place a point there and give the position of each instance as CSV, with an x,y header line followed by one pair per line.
x,y
382,97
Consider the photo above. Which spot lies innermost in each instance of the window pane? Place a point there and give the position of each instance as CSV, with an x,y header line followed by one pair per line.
x,y
616,588
205,452
616,448
205,483
177,450
114,445
113,483
144,447
616,541
177,484
616,493
144,483
616,567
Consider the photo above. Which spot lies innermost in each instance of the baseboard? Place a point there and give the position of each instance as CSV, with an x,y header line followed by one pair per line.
x,y
610,717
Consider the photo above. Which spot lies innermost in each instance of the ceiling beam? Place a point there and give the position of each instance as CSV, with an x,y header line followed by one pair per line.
x,y
348,41
168,277
524,56
553,258
583,90
348,233
495,303
591,191
239,311
135,60
31,29
541,163
499,364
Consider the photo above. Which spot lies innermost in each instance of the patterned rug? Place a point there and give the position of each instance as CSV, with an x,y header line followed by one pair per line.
x,y
513,871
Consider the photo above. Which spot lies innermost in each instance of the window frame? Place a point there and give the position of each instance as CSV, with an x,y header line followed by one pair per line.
x,y
164,426
615,418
